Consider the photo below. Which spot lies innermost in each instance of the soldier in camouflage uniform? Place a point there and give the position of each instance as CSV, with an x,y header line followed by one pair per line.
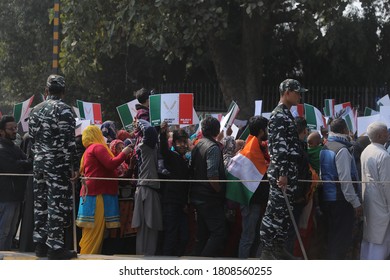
x,y
52,128
283,145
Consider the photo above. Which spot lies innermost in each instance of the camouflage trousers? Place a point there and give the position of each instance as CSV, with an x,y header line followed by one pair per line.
x,y
277,221
52,207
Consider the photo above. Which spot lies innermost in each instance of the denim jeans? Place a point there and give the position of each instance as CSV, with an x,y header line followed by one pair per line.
x,y
250,217
9,218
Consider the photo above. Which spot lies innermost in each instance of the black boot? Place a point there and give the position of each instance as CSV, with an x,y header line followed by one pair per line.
x,y
267,254
41,250
61,254
281,253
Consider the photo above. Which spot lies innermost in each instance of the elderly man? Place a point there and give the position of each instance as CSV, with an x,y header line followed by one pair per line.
x,y
375,161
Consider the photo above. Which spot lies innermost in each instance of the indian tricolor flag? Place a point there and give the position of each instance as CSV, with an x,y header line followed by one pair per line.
x,y
127,112
248,166
314,118
370,112
339,107
297,111
329,108
231,115
21,110
244,135
173,108
90,111
350,117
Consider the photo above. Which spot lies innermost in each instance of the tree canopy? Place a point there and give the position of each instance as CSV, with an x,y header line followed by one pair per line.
x,y
112,47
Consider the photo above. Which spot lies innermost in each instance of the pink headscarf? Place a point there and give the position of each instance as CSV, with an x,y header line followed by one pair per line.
x,y
123,167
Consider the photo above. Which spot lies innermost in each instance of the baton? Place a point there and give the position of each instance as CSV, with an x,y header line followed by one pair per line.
x,y
295,225
74,212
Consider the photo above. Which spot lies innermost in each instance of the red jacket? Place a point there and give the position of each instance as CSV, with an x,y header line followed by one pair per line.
x,y
99,163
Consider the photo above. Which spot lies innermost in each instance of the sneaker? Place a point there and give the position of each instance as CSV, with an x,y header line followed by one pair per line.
x,y
61,254
41,250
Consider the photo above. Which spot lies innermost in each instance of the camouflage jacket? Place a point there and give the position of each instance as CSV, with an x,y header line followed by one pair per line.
x,y
283,141
52,128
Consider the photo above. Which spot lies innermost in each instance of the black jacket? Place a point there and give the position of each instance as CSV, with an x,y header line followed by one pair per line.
x,y
12,160
174,192
203,191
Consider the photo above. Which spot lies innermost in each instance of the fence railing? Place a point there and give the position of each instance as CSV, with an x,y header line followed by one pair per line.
x,y
208,96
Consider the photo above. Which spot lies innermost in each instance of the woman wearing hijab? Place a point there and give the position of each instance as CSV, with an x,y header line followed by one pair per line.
x,y
109,130
99,204
116,147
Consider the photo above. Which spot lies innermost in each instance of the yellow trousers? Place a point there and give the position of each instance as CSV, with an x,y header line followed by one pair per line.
x,y
92,238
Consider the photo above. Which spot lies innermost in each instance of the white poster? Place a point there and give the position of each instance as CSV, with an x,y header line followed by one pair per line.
x,y
258,107
364,122
384,114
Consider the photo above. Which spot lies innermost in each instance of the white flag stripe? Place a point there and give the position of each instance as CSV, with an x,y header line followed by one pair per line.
x,y
243,167
132,109
258,107
76,111
88,111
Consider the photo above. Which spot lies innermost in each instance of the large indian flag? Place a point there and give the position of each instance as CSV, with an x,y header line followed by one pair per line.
x,y
173,108
21,110
90,111
249,166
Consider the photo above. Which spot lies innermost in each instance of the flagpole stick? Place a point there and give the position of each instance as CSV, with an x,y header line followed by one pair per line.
x,y
295,225
74,211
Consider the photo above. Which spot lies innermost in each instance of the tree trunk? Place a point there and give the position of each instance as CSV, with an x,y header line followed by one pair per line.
x,y
239,68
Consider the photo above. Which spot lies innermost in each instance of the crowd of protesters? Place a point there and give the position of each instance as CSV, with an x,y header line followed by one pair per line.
x,y
175,202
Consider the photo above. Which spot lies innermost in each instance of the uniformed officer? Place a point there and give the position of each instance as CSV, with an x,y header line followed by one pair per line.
x,y
283,145
52,128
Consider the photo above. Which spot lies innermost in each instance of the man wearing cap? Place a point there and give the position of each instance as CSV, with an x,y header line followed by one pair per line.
x,y
52,128
284,150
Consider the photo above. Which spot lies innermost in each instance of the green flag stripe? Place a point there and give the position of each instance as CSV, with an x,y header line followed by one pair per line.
x,y
155,109
349,122
231,105
244,135
310,116
81,109
236,191
18,112
125,115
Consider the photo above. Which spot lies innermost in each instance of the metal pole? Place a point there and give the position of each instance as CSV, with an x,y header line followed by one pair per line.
x,y
295,225
56,36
